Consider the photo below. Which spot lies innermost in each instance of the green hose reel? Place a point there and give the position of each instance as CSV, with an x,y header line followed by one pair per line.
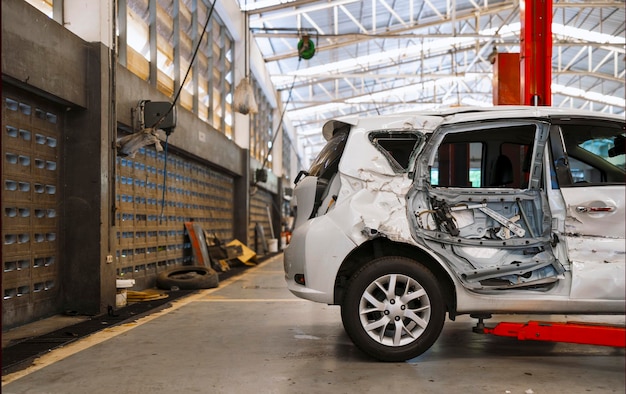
x,y
306,48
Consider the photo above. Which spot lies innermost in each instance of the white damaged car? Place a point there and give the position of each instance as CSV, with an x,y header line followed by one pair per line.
x,y
404,218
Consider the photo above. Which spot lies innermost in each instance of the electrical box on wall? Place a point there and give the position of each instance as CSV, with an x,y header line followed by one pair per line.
x,y
157,114
260,175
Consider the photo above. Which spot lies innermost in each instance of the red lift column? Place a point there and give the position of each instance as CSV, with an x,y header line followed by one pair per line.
x,y
506,79
536,52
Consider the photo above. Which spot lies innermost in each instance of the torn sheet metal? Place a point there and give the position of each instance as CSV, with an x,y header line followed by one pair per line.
x,y
376,207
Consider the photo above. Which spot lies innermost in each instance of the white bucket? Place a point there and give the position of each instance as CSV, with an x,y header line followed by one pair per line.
x,y
121,297
272,244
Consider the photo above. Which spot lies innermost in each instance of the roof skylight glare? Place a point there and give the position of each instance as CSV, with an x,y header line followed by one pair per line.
x,y
407,91
586,35
255,5
439,46
513,29
475,103
510,30
309,112
591,96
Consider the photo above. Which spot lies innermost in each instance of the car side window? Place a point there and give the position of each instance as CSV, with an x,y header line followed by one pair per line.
x,y
458,165
398,147
594,154
498,157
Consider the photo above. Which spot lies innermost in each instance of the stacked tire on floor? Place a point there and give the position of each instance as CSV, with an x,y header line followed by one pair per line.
x,y
188,278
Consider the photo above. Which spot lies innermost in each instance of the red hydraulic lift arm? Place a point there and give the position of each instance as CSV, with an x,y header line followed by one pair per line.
x,y
589,334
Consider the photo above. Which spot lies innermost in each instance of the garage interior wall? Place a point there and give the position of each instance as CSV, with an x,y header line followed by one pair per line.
x,y
150,235
69,201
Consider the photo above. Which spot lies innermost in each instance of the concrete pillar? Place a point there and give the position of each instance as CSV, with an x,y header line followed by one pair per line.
x,y
90,20
88,276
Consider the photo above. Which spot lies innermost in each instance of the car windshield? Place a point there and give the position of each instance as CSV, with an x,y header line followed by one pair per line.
x,y
328,159
608,149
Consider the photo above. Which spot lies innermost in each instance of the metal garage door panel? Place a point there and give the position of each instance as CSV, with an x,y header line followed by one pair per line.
x,y
31,130
259,204
150,234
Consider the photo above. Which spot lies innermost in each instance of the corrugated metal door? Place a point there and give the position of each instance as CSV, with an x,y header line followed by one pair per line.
x,y
31,201
260,201
151,236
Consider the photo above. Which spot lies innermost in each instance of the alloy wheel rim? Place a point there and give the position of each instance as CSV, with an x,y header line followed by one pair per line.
x,y
394,310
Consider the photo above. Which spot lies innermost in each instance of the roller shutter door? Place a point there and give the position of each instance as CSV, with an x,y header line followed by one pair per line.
x,y
31,202
151,236
260,201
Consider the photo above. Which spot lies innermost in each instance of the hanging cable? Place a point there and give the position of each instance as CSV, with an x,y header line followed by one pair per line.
x,y
246,33
180,88
280,123
193,58
167,136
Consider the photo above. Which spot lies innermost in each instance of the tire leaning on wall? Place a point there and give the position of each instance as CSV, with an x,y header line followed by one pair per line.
x,y
188,278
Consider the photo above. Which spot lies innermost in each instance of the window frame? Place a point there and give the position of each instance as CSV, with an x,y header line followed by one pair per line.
x,y
535,178
560,162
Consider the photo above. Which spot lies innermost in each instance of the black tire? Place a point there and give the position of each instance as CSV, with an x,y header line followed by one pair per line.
x,y
372,328
188,278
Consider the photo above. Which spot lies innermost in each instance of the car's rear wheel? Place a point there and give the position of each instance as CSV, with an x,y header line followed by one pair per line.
x,y
393,309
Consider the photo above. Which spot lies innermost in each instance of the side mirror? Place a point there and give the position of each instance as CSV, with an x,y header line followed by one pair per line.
x,y
618,146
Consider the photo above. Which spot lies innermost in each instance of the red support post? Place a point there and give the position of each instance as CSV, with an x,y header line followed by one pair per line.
x,y
506,79
536,52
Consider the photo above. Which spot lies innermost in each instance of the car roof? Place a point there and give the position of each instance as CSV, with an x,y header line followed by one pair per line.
x,y
429,120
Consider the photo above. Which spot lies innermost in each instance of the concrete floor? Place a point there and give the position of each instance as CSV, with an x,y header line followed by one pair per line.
x,y
250,335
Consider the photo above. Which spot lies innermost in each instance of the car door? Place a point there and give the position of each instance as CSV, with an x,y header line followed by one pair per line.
x,y
587,159
478,202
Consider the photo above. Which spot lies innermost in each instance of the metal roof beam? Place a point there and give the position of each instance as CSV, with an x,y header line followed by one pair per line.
x,y
275,7
317,6
423,24
589,4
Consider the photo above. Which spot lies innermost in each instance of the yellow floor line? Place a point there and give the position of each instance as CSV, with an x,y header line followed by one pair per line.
x,y
108,333
267,272
252,300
